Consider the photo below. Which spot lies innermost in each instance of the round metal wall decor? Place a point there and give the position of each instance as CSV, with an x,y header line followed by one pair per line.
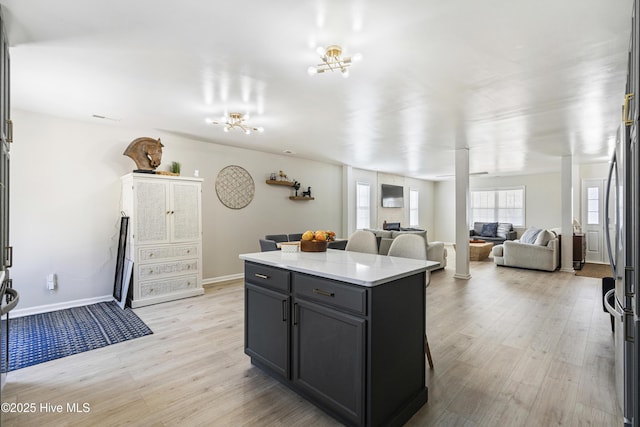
x,y
235,187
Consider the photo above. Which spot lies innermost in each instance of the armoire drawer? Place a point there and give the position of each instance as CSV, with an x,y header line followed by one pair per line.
x,y
152,254
167,286
172,268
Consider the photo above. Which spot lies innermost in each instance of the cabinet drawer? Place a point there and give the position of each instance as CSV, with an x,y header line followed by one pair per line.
x,y
331,293
151,271
264,275
166,286
165,252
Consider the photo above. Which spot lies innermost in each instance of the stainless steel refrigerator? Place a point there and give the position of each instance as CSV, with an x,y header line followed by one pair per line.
x,y
623,248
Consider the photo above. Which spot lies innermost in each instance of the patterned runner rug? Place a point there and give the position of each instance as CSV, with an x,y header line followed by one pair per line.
x,y
47,336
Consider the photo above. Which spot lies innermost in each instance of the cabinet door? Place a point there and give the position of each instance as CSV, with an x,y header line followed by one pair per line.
x,y
185,211
266,333
329,358
152,212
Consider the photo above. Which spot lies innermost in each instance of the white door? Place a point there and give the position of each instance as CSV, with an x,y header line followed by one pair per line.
x,y
593,219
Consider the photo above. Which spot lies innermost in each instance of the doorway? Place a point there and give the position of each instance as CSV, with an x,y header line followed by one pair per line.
x,y
593,219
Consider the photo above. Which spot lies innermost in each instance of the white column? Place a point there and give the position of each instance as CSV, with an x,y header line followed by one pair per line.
x,y
566,195
462,221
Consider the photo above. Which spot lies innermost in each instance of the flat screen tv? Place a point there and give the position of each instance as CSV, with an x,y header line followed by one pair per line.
x,y
392,196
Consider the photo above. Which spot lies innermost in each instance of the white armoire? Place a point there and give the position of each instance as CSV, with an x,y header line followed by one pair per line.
x,y
165,236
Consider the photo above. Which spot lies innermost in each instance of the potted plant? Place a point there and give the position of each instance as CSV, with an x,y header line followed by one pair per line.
x,y
175,167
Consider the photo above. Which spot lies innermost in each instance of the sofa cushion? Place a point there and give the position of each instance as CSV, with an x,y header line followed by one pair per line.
x,y
530,235
384,233
503,229
543,238
477,227
489,229
422,233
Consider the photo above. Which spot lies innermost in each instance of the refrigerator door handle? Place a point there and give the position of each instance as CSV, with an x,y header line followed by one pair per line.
x,y
612,310
607,197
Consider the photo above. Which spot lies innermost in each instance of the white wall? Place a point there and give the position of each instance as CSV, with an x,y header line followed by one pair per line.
x,y
543,201
426,204
65,203
379,214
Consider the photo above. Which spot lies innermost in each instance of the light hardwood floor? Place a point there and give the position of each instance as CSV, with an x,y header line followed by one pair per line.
x,y
511,347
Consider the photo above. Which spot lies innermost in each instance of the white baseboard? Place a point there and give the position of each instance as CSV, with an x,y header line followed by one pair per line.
x,y
80,302
222,279
60,306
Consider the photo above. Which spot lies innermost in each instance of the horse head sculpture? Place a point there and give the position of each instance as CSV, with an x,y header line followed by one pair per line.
x,y
146,152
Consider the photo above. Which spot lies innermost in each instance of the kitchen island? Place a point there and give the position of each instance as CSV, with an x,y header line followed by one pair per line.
x,y
343,329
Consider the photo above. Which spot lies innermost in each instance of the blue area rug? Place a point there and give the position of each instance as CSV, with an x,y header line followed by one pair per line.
x,y
47,336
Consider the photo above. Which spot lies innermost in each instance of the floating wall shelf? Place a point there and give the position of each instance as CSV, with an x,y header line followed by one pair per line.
x,y
285,183
288,184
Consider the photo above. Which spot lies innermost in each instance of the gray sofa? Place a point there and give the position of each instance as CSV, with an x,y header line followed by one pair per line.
x,y
435,250
494,232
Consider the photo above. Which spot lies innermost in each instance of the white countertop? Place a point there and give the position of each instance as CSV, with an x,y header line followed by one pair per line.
x,y
347,266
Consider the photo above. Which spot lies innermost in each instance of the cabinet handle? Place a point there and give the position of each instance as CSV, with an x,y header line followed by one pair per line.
x,y
168,212
10,130
284,310
9,256
262,276
323,293
295,313
625,110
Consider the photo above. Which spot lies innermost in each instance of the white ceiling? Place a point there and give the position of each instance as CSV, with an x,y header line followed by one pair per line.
x,y
520,83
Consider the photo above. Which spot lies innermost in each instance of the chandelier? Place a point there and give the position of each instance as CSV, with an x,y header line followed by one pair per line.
x,y
333,61
236,121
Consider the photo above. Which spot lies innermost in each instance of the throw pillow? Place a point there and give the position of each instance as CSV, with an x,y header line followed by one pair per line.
x,y
489,229
530,235
543,238
503,229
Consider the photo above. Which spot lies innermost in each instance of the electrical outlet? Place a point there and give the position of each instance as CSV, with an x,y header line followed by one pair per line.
x,y
51,281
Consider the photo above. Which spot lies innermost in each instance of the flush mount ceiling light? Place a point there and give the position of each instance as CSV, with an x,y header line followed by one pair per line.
x,y
236,121
332,60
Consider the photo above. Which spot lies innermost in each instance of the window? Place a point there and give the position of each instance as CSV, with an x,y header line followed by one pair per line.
x,y
498,205
593,206
363,211
414,219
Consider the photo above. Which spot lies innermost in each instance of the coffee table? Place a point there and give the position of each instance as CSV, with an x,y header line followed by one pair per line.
x,y
479,251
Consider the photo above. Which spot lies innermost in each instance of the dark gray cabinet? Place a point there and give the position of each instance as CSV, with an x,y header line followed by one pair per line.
x,y
356,352
329,358
267,328
267,313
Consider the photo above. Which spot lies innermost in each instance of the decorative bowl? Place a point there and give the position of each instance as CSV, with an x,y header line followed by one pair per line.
x,y
313,246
